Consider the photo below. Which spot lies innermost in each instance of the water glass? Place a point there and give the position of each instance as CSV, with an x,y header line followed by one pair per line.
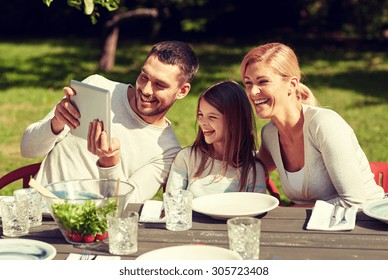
x,y
14,216
122,229
34,204
244,236
178,210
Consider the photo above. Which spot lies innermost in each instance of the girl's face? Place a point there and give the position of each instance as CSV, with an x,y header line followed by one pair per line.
x,y
211,122
267,90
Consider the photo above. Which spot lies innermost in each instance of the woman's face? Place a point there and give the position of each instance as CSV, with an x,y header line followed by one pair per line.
x,y
211,122
267,90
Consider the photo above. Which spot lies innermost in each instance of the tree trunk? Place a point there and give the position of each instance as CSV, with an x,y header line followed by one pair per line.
x,y
111,36
108,56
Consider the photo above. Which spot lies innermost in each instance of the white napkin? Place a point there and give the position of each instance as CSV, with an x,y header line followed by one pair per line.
x,y
73,256
322,212
151,212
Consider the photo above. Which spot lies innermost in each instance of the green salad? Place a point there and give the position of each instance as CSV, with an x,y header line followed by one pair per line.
x,y
83,222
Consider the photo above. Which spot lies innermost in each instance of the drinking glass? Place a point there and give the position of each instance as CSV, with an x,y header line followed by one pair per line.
x,y
14,216
34,200
122,229
178,210
244,236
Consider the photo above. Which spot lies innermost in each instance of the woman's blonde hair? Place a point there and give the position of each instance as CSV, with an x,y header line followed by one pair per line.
x,y
284,62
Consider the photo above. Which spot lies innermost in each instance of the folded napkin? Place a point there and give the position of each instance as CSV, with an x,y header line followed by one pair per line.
x,y
152,212
322,213
73,256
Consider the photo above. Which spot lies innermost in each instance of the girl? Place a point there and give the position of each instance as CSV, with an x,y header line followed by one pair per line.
x,y
221,158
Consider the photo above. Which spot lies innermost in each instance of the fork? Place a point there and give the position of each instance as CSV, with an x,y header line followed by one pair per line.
x,y
85,255
343,220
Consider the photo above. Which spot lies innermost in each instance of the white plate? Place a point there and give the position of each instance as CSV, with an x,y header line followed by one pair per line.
x,y
234,204
377,210
190,252
26,249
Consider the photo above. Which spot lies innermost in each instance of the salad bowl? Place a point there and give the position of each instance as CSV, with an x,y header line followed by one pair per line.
x,y
80,207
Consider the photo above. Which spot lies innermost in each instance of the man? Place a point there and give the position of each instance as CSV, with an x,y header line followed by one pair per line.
x,y
143,142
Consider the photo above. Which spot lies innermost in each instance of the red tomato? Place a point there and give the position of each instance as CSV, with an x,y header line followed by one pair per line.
x,y
102,236
88,238
74,236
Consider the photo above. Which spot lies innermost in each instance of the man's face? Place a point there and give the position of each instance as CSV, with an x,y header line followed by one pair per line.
x,y
157,88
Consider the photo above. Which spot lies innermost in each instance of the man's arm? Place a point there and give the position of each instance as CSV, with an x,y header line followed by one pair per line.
x,y
40,137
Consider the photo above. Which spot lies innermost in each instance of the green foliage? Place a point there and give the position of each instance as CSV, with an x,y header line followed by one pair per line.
x,y
90,7
364,19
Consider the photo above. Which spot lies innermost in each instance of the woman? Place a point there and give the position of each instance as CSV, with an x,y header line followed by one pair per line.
x,y
221,158
315,151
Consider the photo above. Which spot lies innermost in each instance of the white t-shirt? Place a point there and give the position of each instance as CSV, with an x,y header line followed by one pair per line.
x,y
184,168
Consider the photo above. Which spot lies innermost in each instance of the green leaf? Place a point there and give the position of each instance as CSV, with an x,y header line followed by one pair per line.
x,y
89,7
110,5
47,2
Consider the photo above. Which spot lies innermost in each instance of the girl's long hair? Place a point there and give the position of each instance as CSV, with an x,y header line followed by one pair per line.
x,y
230,99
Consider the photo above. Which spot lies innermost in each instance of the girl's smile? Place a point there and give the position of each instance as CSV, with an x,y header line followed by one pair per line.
x,y
211,122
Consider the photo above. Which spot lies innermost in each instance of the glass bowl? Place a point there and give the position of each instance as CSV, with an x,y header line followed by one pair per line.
x,y
82,205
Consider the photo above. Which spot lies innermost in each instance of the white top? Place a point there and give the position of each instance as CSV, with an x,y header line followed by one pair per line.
x,y
336,169
296,179
146,153
210,182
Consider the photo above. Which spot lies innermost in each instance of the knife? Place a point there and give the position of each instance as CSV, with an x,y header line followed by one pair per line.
x,y
333,219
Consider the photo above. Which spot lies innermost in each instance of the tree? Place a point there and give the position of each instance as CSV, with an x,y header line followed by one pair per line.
x,y
111,26
236,19
120,12
111,34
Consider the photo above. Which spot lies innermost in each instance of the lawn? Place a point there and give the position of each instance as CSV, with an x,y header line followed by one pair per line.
x,y
33,73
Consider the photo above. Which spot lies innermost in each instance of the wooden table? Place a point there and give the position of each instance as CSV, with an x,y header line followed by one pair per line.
x,y
284,237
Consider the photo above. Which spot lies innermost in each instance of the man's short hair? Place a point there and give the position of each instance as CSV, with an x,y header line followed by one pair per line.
x,y
177,53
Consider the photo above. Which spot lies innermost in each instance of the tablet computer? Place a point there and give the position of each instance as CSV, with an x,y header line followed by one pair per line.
x,y
93,103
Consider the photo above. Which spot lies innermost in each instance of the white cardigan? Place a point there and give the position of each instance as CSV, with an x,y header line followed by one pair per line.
x,y
335,167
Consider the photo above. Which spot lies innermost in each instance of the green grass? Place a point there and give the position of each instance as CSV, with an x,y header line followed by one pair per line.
x,y
33,73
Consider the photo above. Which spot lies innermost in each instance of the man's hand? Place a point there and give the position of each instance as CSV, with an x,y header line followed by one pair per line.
x,y
65,113
98,145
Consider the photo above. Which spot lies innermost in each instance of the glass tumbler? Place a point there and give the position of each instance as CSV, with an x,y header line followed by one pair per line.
x,y
122,230
244,236
14,216
178,210
34,204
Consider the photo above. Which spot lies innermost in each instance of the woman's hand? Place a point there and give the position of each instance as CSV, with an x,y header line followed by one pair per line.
x,y
98,144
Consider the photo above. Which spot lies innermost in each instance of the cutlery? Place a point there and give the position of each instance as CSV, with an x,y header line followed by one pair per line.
x,y
333,219
85,255
343,220
42,190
